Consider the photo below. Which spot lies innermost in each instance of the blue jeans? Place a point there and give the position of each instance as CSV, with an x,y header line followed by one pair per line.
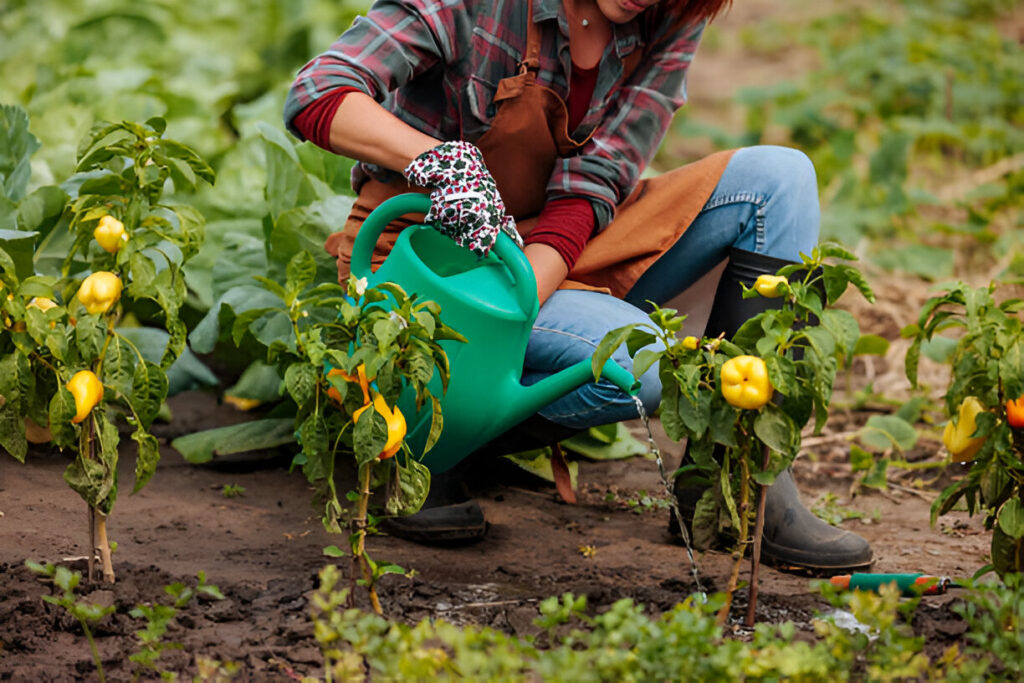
x,y
766,202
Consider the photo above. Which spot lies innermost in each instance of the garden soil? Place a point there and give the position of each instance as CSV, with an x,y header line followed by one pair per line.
x,y
264,549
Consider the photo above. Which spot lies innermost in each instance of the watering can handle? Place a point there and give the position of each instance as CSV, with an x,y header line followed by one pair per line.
x,y
523,280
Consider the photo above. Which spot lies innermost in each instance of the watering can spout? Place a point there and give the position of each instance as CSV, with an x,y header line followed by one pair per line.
x,y
571,378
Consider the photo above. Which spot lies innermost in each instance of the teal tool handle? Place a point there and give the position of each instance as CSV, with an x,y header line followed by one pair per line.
x,y
523,281
373,226
908,584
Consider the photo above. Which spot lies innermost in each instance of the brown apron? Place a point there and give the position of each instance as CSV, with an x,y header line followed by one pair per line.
x,y
528,134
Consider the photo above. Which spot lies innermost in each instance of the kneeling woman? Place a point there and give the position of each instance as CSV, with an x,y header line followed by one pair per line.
x,y
549,111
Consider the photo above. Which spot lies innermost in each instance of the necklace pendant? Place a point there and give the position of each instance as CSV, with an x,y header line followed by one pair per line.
x,y
585,22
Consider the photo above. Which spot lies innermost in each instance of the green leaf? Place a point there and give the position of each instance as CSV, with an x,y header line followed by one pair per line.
x,y
146,459
17,145
62,409
334,551
695,412
185,374
705,521
776,430
143,272
644,359
259,381
305,229
412,483
12,429
436,423
1011,518
860,459
369,436
871,345
538,463
611,341
41,210
149,390
938,348
202,447
622,444
18,251
883,432
843,327
300,379
876,477
288,185
90,333
301,272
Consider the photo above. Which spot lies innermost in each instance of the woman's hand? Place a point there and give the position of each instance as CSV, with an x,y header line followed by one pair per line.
x,y
465,202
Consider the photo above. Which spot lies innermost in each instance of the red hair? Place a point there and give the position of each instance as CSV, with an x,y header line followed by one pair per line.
x,y
692,11
684,12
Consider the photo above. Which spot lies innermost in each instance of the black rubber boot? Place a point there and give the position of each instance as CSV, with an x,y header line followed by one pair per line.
x,y
793,536
450,516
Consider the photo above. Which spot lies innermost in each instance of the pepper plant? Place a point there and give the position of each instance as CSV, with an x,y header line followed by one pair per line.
x,y
985,390
346,353
66,372
742,403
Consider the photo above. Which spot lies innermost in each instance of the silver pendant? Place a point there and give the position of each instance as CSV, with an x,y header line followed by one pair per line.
x,y
585,22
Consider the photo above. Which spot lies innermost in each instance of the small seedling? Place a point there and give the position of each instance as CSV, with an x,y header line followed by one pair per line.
x,y
84,612
830,510
232,490
158,618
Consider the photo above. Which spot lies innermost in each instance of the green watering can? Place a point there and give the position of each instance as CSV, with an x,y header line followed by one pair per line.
x,y
491,301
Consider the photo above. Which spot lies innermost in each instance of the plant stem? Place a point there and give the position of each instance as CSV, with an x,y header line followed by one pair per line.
x,y
91,560
723,613
95,651
755,553
85,449
359,559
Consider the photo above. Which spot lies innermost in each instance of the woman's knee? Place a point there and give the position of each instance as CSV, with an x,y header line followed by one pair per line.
x,y
788,170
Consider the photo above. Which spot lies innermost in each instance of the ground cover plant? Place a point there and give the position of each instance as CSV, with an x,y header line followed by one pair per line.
x,y
910,113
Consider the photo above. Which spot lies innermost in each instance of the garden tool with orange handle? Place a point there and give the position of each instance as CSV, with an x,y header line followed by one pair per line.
x,y
909,584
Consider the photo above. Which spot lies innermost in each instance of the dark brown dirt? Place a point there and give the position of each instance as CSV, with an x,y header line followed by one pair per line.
x,y
264,548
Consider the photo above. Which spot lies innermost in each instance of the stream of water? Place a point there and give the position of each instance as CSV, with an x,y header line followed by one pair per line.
x,y
673,503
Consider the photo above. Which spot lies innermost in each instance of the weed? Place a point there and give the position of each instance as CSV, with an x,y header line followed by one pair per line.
x,y
232,490
85,612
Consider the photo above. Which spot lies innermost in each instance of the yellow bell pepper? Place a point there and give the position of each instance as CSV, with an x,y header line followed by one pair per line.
x,y
957,437
745,382
100,291
87,390
42,303
110,234
690,343
395,421
768,285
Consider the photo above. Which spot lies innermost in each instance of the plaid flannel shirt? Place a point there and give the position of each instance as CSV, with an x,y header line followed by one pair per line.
x,y
436,64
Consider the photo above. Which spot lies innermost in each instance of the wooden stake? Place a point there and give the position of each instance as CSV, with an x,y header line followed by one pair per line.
x,y
101,531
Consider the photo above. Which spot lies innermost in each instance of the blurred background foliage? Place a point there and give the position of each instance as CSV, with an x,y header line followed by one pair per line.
x,y
911,110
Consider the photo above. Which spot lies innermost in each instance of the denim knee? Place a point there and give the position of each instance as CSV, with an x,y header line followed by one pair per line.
x,y
791,214
788,169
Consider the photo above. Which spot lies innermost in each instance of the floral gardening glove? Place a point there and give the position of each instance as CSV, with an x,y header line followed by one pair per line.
x,y
465,202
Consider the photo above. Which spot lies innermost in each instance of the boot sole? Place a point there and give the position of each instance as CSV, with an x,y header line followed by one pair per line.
x,y
776,556
436,535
